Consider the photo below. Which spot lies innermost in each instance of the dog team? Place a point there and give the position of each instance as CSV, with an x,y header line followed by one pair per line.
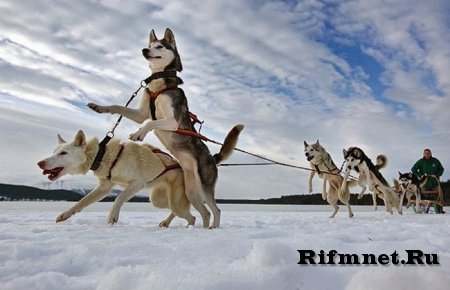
x,y
336,187
190,177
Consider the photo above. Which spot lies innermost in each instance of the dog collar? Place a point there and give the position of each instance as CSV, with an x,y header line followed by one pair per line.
x,y
100,153
160,75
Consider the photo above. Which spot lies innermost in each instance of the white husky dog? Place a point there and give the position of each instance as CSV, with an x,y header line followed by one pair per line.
x,y
130,165
356,159
164,109
321,163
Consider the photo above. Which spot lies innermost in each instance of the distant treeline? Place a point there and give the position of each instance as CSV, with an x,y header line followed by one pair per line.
x,y
9,192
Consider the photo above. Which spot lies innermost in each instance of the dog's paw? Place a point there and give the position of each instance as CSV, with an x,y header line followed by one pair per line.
x,y
360,196
139,135
113,217
310,189
97,108
112,221
164,224
324,196
64,216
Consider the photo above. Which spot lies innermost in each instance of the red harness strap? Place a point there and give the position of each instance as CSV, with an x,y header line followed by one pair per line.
x,y
154,96
115,160
167,167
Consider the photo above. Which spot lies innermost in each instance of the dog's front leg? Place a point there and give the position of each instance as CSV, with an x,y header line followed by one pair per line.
x,y
98,193
124,196
167,124
138,115
324,188
361,182
344,181
311,176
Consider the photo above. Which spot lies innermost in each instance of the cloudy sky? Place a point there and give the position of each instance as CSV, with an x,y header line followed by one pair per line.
x,y
373,74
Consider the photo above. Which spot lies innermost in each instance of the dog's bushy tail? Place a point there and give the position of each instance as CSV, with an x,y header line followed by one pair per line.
x,y
381,161
228,144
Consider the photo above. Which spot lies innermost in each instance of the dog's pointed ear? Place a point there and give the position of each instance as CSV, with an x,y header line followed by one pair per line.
x,y
399,173
61,140
170,38
344,152
152,37
410,175
80,139
168,35
306,144
317,142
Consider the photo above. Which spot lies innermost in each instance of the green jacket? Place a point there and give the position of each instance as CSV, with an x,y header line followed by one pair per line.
x,y
430,166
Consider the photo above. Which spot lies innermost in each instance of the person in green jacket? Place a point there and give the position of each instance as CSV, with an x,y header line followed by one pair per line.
x,y
428,165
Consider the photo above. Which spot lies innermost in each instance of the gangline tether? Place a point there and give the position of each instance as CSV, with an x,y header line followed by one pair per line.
x,y
143,84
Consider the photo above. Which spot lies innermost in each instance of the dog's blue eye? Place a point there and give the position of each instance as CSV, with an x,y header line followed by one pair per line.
x,y
63,153
159,47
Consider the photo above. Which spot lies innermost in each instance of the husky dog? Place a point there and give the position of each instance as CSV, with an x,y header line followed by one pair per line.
x,y
164,108
321,162
356,159
130,165
362,181
410,186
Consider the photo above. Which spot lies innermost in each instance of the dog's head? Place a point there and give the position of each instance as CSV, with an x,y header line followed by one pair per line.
x,y
313,151
353,158
66,157
162,55
406,179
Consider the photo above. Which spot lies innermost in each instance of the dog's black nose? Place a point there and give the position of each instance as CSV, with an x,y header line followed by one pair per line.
x,y
145,52
41,164
349,167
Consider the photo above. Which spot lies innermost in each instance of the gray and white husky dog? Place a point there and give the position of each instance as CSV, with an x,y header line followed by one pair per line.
x,y
164,109
356,159
363,182
410,186
321,163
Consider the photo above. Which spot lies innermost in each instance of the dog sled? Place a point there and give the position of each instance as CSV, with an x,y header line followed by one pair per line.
x,y
431,200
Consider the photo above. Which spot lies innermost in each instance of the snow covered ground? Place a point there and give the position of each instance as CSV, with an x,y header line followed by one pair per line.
x,y
255,248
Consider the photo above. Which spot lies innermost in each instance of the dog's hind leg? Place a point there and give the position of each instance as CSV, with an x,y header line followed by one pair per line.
x,y
374,200
124,196
180,205
333,202
194,197
211,202
99,192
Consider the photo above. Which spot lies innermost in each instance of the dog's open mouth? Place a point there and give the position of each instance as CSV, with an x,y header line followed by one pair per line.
x,y
309,158
53,174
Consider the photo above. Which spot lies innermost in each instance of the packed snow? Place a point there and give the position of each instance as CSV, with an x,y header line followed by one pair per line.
x,y
255,248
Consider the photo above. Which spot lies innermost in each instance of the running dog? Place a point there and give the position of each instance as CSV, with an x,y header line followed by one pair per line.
x,y
130,165
164,109
362,181
356,159
322,164
409,186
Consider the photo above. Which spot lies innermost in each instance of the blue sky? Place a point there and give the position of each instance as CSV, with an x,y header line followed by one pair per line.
x,y
373,74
